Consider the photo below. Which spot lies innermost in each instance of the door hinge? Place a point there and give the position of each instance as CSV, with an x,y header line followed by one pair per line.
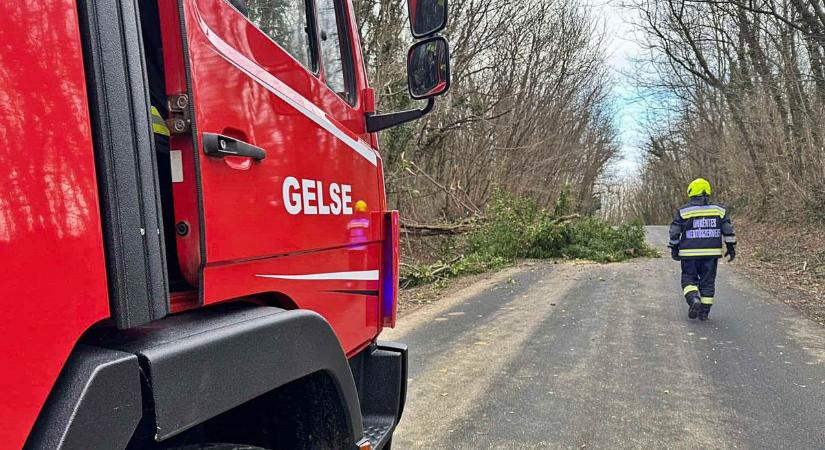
x,y
180,120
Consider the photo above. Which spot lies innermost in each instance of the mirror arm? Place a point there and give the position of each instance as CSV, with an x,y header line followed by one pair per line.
x,y
378,122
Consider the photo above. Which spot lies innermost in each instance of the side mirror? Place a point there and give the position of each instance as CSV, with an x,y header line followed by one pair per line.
x,y
427,16
428,64
428,68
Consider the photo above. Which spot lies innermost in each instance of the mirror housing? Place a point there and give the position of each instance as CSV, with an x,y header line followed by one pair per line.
x,y
427,17
428,68
428,65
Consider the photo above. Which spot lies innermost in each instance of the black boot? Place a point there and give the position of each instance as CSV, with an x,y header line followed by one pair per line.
x,y
703,313
695,306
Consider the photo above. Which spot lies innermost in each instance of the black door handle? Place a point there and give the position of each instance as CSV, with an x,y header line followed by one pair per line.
x,y
220,146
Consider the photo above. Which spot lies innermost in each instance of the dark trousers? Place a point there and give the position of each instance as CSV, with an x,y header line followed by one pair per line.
x,y
699,278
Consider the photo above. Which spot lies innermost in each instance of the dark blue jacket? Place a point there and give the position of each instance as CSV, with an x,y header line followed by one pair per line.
x,y
699,228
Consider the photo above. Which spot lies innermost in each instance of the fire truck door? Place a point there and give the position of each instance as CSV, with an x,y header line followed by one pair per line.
x,y
279,174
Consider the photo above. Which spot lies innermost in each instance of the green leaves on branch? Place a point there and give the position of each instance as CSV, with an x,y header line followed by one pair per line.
x,y
440,271
515,227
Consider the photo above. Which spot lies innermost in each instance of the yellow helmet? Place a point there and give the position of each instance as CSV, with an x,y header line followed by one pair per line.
x,y
698,186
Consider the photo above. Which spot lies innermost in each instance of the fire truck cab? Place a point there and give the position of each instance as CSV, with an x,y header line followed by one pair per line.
x,y
194,239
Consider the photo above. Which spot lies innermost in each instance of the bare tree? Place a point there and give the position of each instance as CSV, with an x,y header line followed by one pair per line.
x,y
529,110
744,79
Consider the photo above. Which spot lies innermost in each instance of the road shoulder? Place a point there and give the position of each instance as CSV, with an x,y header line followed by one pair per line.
x,y
789,263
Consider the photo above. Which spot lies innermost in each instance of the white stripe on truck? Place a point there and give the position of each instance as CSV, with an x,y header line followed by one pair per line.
x,y
359,275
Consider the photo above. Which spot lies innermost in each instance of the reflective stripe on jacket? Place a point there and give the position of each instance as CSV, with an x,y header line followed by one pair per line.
x,y
158,124
699,229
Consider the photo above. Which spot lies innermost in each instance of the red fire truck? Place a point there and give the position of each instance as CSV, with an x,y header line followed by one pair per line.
x,y
195,246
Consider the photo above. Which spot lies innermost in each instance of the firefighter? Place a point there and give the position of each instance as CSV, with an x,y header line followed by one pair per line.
x,y
696,235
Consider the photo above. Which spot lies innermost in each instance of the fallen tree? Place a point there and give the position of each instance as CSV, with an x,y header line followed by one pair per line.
x,y
512,228
465,226
422,230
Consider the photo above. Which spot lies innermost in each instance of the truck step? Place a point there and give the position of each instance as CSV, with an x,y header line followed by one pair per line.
x,y
378,431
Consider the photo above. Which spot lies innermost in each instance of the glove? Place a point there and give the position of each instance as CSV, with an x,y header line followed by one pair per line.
x,y
731,253
674,253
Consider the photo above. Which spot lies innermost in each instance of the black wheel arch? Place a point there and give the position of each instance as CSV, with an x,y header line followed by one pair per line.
x,y
186,369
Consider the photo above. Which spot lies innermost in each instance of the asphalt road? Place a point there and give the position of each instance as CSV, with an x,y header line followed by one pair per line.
x,y
603,356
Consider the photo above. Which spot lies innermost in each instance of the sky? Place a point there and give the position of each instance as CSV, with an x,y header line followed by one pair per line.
x,y
622,50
